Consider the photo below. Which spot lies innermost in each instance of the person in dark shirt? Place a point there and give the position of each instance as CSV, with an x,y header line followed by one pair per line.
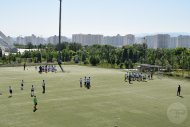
x,y
10,91
129,79
22,85
179,91
44,87
24,66
35,103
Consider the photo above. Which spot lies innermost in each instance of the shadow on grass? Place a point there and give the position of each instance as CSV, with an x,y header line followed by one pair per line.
x,y
9,96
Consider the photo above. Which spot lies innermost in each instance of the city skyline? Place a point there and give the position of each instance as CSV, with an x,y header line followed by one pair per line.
x,y
152,41
107,17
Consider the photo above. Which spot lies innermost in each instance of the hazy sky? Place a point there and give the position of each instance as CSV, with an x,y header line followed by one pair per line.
x,y
108,17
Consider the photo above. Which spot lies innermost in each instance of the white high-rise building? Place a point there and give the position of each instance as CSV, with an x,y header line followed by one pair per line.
x,y
162,40
34,40
129,39
157,41
107,40
184,41
151,42
20,40
87,39
55,39
30,39
173,42
140,40
113,40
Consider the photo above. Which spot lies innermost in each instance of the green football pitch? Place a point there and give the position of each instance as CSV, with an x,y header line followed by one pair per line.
x,y
110,102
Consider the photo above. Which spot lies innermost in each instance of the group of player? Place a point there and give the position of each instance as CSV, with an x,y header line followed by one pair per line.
x,y
137,76
32,92
46,68
43,89
87,83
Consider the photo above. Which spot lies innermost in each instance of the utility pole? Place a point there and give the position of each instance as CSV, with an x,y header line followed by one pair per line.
x,y
183,62
59,55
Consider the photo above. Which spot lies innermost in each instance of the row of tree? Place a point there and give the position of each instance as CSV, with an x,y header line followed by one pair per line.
x,y
123,57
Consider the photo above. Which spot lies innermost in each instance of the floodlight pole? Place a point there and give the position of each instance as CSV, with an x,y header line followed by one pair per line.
x,y
59,55
60,24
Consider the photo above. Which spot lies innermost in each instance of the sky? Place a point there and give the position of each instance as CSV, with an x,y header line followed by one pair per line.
x,y
107,17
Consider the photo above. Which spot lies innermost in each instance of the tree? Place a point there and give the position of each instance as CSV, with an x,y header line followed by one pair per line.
x,y
4,59
94,60
66,55
39,57
84,56
112,58
1,54
75,46
50,57
30,45
125,55
119,53
62,46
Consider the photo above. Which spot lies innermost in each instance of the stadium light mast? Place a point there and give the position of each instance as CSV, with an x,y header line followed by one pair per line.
x,y
59,55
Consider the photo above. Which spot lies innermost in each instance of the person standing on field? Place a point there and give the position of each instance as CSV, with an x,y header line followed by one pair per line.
x,y
10,91
22,85
35,103
81,82
24,66
179,91
44,87
85,81
32,91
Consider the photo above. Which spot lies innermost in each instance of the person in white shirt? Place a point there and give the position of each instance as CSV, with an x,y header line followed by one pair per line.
x,y
32,91
81,82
